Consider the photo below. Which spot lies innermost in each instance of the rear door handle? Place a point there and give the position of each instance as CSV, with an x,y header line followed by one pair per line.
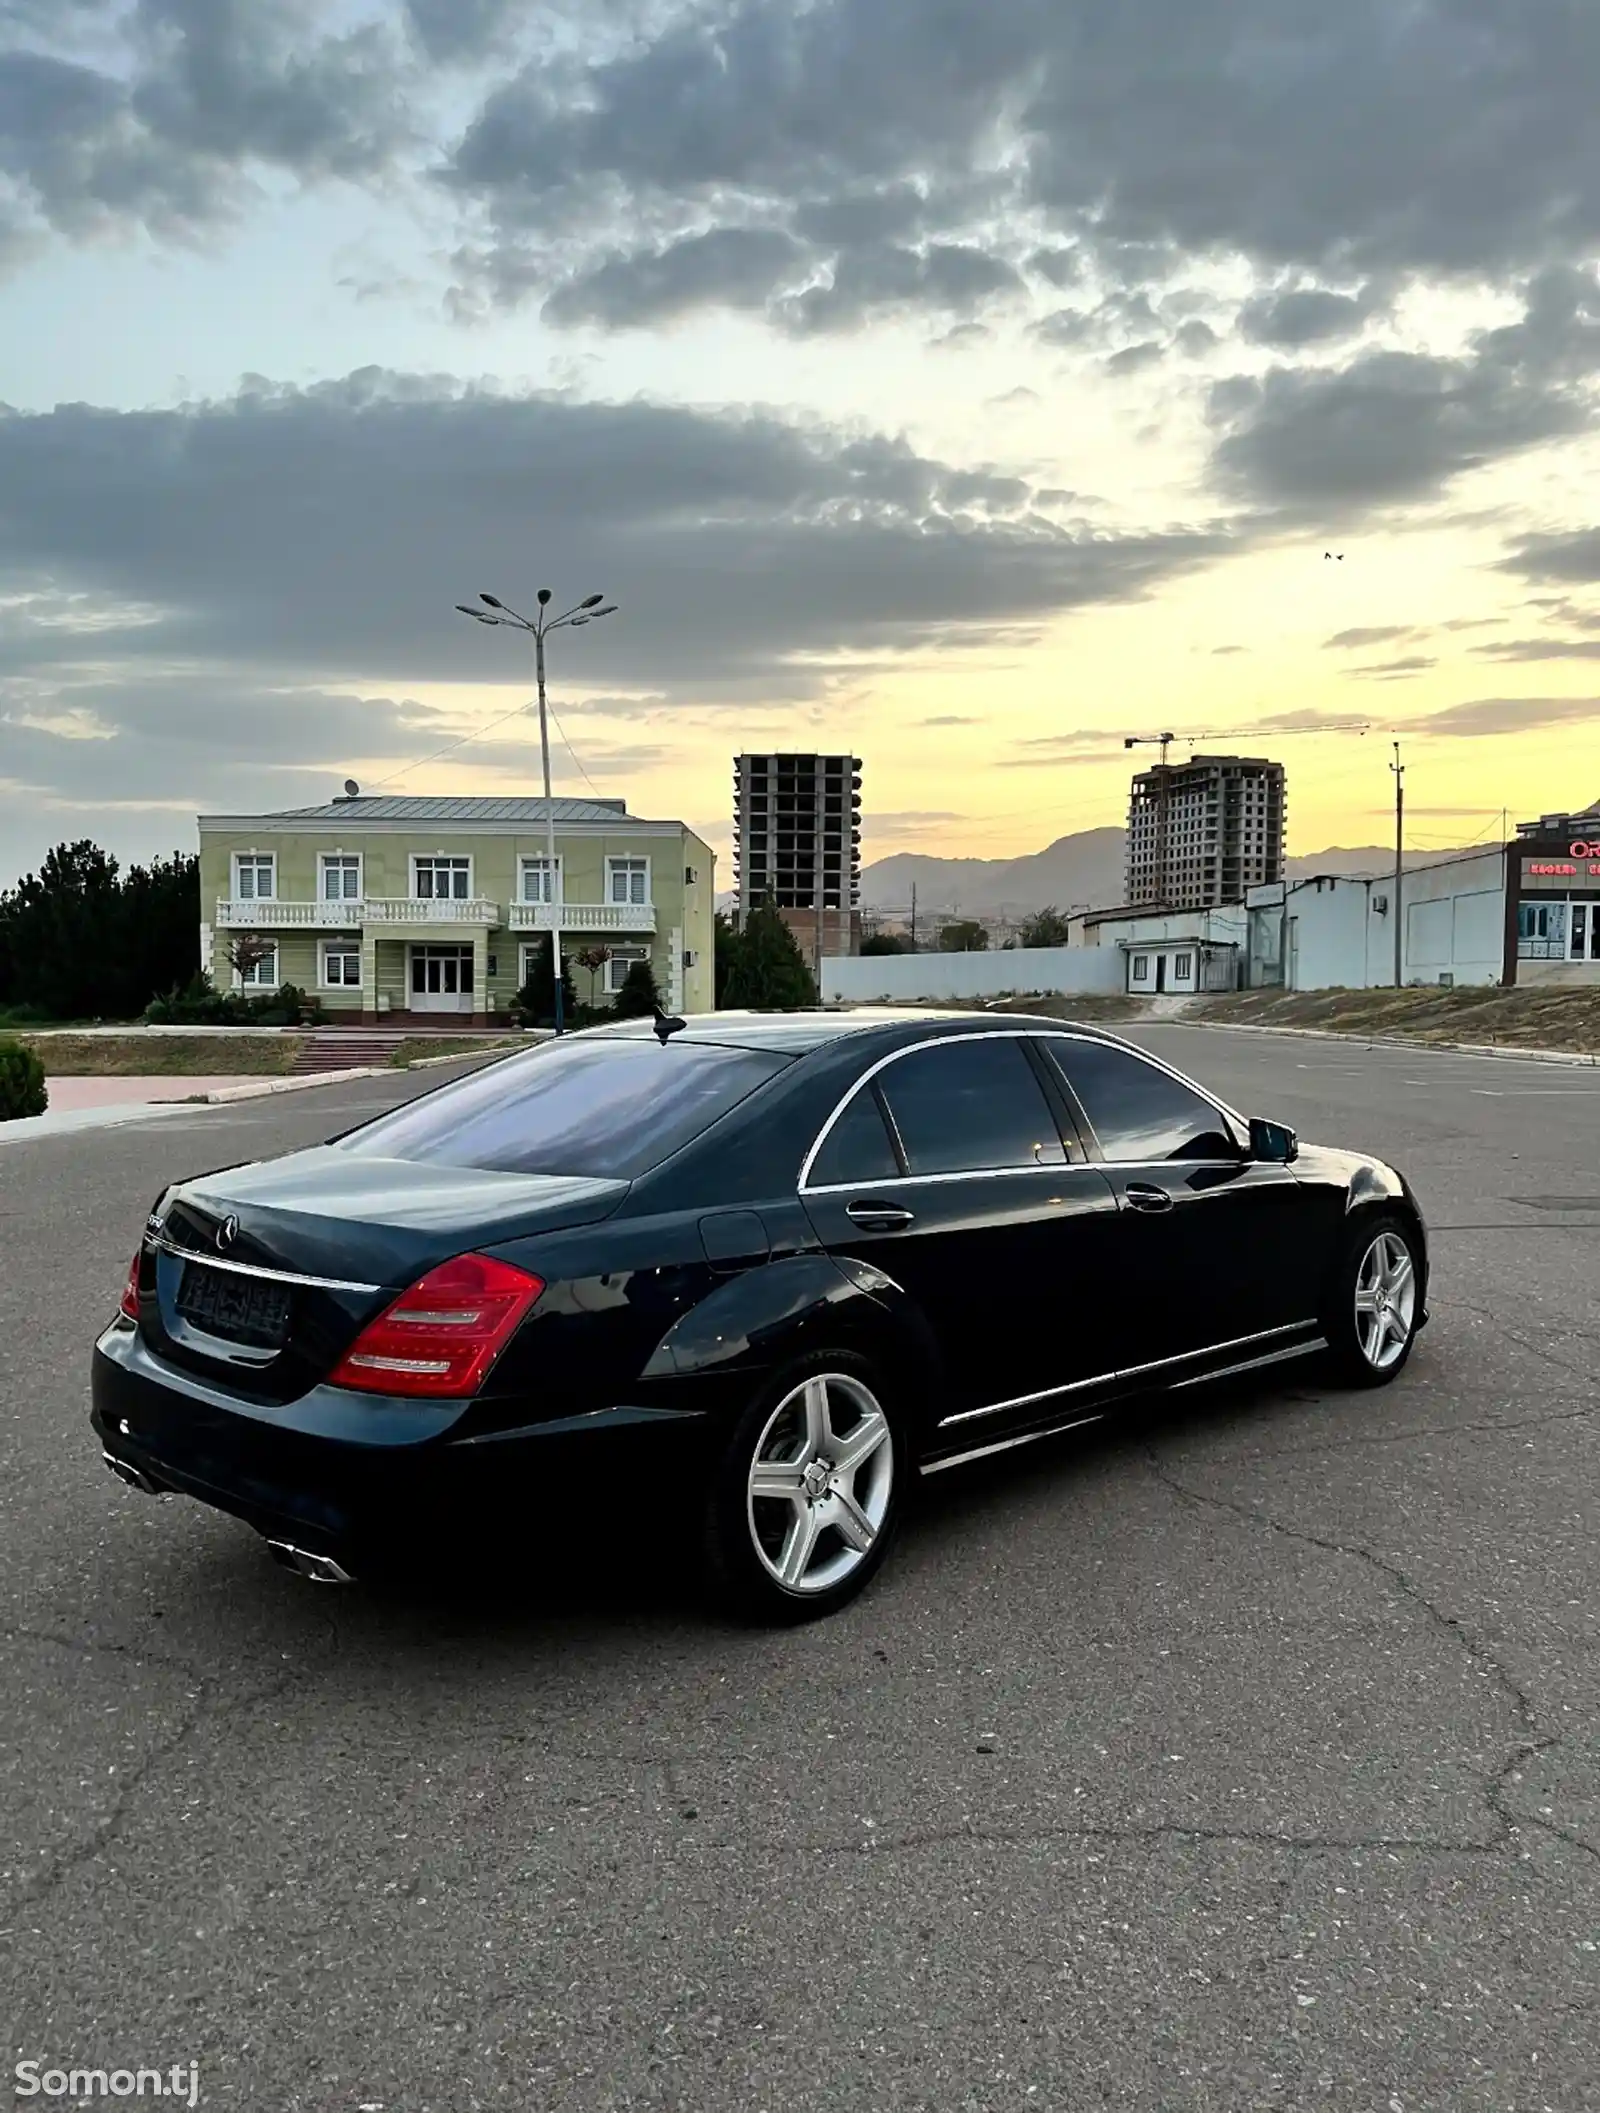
x,y
1145,1196
878,1217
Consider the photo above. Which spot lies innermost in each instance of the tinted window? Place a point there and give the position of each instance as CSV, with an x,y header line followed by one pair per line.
x,y
857,1148
1137,1111
969,1105
604,1108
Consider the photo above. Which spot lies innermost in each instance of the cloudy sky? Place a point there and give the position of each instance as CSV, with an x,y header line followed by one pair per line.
x,y
970,382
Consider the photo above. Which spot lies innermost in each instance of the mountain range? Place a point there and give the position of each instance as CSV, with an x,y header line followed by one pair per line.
x,y
1075,872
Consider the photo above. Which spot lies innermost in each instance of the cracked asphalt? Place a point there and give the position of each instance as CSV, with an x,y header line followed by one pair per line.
x,y
1243,1758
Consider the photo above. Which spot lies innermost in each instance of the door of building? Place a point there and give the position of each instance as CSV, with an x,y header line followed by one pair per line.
x,y
441,979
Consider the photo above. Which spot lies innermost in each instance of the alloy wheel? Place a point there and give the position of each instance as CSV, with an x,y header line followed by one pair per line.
x,y
1386,1301
820,1483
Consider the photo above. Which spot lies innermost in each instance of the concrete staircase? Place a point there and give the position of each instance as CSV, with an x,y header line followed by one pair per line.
x,y
345,1049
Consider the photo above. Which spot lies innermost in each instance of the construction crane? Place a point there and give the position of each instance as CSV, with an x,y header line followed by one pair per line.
x,y
1213,733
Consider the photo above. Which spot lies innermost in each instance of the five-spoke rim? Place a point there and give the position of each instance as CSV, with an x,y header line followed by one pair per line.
x,y
1386,1301
820,1482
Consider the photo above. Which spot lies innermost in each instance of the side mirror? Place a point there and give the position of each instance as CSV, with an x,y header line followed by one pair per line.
x,y
1274,1142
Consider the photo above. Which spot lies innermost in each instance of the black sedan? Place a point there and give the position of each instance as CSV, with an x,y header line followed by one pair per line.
x,y
771,1265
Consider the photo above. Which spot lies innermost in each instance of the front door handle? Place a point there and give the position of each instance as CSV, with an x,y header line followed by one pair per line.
x,y
1145,1196
878,1217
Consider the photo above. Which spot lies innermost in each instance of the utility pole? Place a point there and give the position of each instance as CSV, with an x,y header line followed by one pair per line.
x,y
1399,867
913,917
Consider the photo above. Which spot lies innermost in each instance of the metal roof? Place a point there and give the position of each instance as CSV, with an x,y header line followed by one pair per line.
x,y
408,807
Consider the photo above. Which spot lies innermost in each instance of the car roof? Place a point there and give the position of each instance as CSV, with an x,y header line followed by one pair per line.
x,y
799,1033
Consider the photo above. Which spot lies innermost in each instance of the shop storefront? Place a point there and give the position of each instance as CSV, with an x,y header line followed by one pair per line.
x,y
1553,902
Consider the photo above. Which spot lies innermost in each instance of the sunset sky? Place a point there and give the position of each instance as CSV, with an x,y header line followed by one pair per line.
x,y
967,382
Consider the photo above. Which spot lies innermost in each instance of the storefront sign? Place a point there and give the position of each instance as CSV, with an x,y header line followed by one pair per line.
x,y
1561,869
1585,850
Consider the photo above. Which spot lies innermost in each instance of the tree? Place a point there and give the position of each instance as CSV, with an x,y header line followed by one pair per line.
x,y
965,936
81,940
593,959
727,945
246,954
639,997
536,1001
768,971
886,943
1047,927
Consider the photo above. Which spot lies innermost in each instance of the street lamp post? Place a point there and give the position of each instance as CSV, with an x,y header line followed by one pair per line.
x,y
538,629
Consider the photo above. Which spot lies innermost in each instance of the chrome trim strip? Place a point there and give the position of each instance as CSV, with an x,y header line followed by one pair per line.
x,y
1162,1364
1004,1445
923,1181
1238,1342
1253,1364
1023,1401
254,1269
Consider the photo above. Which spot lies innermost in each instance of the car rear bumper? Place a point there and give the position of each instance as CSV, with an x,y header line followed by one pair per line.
x,y
356,1498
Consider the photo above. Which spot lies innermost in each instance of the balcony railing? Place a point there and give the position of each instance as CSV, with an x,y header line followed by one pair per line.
x,y
263,916
583,916
350,916
438,909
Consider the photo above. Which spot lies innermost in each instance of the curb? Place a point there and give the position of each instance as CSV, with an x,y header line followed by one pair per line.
x,y
259,1089
1353,1039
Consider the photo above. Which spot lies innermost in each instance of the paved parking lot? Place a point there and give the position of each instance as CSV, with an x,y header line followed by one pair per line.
x,y
1244,1760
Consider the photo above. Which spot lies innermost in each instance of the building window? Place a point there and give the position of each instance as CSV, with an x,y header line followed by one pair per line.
x,y
1542,931
442,879
1141,968
341,879
688,876
262,973
255,877
1182,967
341,965
622,959
536,880
628,881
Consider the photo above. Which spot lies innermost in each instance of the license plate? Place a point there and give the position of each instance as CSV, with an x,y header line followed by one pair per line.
x,y
250,1310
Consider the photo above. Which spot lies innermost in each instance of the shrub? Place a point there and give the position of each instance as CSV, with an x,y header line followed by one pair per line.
x,y
639,997
22,1088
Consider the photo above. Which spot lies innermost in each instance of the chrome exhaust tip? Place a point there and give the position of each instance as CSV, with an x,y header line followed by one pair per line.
x,y
135,1477
320,1569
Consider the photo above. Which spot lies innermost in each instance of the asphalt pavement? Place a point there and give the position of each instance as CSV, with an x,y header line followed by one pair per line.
x,y
1248,1758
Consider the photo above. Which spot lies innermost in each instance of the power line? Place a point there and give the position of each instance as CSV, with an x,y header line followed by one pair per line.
x,y
450,747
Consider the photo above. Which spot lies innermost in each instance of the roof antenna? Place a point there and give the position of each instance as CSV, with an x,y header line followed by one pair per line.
x,y
666,1028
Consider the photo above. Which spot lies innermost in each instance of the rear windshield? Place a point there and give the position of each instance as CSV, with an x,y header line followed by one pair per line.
x,y
605,1108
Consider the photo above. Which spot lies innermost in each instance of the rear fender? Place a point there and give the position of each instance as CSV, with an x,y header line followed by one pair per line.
x,y
753,1323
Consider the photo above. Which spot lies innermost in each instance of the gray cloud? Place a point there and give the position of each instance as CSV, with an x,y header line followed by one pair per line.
x,y
730,267
1541,649
1509,715
1396,426
874,280
1367,635
1396,670
167,134
461,29
1306,139
1299,316
1570,555
143,550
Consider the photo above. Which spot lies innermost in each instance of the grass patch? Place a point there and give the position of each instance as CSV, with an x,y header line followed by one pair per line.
x,y
1517,1018
165,1055
435,1045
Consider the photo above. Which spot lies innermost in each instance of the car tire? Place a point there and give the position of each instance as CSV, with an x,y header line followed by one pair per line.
x,y
808,1492
1375,1302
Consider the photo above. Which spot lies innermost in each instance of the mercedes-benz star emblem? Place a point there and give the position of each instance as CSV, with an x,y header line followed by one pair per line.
x,y
227,1232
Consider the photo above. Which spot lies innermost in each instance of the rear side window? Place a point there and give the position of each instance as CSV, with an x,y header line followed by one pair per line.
x,y
857,1148
609,1109
1137,1111
965,1106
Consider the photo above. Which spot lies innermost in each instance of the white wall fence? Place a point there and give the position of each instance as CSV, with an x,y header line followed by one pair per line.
x,y
872,979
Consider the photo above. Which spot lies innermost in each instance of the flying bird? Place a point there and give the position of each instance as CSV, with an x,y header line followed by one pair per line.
x,y
1339,554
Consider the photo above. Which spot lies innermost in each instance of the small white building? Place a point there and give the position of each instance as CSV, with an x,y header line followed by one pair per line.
x,y
1174,952
1332,932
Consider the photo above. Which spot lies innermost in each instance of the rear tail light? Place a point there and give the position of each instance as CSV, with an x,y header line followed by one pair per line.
x,y
441,1338
128,1304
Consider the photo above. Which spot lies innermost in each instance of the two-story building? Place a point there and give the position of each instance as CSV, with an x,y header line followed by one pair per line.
x,y
393,904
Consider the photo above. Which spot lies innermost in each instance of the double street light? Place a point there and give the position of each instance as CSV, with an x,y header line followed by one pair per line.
x,y
538,628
